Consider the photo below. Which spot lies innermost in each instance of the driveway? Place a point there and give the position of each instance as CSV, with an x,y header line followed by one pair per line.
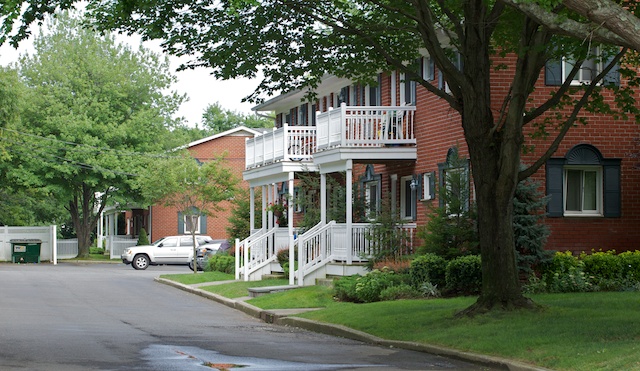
x,y
111,317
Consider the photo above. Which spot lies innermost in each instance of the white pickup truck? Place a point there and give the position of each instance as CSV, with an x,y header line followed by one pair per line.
x,y
167,250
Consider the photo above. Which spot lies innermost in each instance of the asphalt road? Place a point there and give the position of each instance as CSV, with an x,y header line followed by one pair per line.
x,y
111,317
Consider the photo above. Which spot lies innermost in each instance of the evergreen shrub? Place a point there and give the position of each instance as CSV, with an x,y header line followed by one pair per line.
x,y
143,239
344,288
370,286
428,268
401,291
464,275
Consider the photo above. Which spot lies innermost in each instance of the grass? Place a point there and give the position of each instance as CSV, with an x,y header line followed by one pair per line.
x,y
191,278
582,331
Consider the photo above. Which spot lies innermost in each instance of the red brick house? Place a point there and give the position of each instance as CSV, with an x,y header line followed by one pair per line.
x,y
160,221
396,139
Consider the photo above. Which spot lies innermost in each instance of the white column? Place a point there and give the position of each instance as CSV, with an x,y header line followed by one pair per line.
x,y
292,254
252,209
349,208
323,198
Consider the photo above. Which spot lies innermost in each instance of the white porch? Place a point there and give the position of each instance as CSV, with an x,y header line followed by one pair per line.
x,y
341,137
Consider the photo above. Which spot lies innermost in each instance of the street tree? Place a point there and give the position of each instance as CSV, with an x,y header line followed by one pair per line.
x,y
193,188
293,44
92,111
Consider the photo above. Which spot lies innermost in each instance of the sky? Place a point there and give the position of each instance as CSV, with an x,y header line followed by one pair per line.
x,y
201,88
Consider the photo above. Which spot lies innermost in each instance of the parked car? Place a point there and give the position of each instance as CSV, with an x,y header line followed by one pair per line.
x,y
206,251
167,250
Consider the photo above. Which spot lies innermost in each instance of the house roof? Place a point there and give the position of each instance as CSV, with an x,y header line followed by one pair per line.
x,y
237,131
329,84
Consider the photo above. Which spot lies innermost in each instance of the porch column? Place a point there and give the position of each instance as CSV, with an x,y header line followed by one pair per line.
x,y
252,209
264,208
349,208
323,198
290,225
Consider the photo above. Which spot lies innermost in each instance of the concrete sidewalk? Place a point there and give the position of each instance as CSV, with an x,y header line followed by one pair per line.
x,y
284,317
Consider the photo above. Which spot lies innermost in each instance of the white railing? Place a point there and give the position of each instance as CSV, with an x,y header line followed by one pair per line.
x,y
67,249
117,244
365,126
258,250
325,243
288,143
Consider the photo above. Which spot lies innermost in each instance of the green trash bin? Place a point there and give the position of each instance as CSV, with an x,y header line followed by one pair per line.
x,y
25,250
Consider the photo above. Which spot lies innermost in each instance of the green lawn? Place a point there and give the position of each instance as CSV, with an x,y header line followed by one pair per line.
x,y
587,331
191,278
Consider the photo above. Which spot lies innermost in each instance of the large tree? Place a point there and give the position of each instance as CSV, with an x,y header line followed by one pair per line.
x,y
216,119
93,110
295,43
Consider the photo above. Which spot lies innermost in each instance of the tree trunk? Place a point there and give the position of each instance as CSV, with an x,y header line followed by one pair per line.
x,y
85,221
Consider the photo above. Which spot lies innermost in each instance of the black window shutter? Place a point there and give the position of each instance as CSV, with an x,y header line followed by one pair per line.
x,y
555,187
432,185
415,193
613,77
611,170
180,223
203,224
553,73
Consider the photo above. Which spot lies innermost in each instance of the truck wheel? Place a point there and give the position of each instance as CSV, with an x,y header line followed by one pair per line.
x,y
140,261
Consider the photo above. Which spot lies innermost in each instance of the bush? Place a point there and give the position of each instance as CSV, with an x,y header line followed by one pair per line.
x,y
428,268
630,261
96,250
370,286
143,239
401,291
344,288
464,275
222,263
603,265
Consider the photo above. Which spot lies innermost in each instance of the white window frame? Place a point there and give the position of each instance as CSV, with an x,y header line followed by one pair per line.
x,y
594,57
426,187
372,198
428,73
411,101
599,191
186,226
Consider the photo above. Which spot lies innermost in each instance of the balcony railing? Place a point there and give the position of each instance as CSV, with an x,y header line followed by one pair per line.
x,y
288,143
362,126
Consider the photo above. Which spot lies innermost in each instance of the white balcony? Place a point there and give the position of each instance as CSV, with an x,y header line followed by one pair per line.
x,y
288,143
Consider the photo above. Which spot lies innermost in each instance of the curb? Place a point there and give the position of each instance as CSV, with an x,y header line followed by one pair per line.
x,y
283,318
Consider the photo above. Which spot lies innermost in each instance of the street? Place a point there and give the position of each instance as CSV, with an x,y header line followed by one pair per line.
x,y
111,317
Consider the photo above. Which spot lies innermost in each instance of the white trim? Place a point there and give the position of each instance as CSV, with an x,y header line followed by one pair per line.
x,y
252,132
599,191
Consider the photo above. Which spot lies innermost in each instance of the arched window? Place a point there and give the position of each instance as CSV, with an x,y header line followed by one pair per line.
x,y
583,183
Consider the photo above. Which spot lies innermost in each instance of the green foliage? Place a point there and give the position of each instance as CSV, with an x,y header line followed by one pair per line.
x,y
96,250
464,275
143,239
451,230
370,286
631,263
428,268
401,291
91,107
216,120
221,263
344,288
530,233
240,215
389,241
601,264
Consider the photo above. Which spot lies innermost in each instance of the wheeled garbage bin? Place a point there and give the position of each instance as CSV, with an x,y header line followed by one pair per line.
x,y
25,250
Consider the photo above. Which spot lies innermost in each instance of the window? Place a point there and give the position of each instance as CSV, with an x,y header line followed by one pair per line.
x,y
583,183
428,186
200,225
454,177
187,223
370,183
374,98
407,91
557,71
408,197
428,69
297,205
186,241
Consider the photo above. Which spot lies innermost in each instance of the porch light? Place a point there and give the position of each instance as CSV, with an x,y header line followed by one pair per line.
x,y
413,184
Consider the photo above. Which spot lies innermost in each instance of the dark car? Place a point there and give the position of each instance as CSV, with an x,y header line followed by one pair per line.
x,y
212,247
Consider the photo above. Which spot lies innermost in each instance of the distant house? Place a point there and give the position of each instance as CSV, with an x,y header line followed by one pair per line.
x,y
160,221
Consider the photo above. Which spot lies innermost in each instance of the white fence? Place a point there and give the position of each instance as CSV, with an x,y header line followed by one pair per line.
x,y
67,249
46,234
288,143
117,244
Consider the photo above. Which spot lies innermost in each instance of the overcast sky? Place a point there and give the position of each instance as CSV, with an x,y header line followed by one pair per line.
x,y
201,88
